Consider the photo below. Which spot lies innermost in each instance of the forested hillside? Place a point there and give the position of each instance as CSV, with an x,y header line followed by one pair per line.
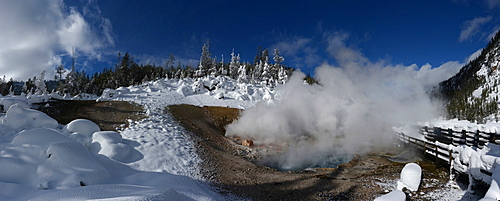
x,y
472,94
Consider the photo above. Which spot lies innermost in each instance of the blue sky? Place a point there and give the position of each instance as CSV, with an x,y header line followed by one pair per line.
x,y
308,33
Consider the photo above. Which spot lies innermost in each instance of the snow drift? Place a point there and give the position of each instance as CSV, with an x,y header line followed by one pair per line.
x,y
42,160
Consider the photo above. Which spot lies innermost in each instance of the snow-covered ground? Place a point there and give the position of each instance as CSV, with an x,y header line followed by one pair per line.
x,y
152,159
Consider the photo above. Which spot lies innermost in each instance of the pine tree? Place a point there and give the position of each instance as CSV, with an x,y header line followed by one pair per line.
x,y
277,67
242,74
205,61
40,84
257,72
267,77
60,71
234,65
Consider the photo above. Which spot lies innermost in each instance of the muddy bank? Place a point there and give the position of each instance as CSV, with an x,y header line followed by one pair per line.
x,y
228,165
108,115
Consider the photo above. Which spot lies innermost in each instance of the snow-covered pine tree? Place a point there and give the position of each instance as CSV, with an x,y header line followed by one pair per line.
x,y
267,71
213,71
282,75
234,65
223,70
205,61
40,84
267,77
278,62
242,74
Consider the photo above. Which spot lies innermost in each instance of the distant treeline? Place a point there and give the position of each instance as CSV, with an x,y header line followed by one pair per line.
x,y
127,72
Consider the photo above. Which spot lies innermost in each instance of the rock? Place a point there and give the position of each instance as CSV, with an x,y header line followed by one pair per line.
x,y
248,143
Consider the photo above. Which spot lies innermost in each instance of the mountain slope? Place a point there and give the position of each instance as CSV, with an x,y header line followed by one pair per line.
x,y
472,94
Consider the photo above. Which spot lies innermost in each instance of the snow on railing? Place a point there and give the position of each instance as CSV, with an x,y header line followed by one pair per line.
x,y
456,137
473,153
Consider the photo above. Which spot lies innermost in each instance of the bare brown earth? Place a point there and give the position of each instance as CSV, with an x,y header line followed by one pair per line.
x,y
108,115
229,166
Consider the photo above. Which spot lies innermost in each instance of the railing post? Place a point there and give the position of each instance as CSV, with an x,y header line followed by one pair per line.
x,y
450,157
464,137
437,155
476,139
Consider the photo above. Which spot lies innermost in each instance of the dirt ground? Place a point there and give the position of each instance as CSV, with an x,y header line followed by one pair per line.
x,y
227,165
108,115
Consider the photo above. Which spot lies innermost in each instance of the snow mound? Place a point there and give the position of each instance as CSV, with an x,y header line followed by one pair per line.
x,y
108,94
38,98
82,126
41,137
396,195
69,165
410,177
109,143
20,117
39,160
6,102
213,91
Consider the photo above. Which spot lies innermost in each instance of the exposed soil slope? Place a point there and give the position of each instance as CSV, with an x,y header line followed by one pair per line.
x,y
108,115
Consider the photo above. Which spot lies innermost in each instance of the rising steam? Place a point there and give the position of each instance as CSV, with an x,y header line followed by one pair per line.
x,y
352,110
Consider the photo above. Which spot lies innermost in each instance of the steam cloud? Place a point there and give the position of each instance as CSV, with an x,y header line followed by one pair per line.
x,y
350,111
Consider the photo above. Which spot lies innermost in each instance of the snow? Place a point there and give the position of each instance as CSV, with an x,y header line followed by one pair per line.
x,y
410,177
82,126
42,160
20,117
469,160
396,195
207,91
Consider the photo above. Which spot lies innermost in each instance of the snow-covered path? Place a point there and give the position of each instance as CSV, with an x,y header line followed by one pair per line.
x,y
162,142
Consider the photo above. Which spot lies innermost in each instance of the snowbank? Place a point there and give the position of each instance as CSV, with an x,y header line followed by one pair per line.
x,y
213,91
40,160
6,102
20,117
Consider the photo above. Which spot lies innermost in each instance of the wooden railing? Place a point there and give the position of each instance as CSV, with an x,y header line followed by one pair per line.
x,y
436,150
457,137
437,141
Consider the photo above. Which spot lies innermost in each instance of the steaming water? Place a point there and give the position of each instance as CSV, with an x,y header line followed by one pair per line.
x,y
328,161
352,110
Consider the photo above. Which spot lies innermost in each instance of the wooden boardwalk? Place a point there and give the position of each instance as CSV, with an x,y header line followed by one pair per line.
x,y
439,142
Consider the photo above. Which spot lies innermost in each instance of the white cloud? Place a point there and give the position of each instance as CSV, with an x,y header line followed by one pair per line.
x,y
492,3
472,27
36,33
